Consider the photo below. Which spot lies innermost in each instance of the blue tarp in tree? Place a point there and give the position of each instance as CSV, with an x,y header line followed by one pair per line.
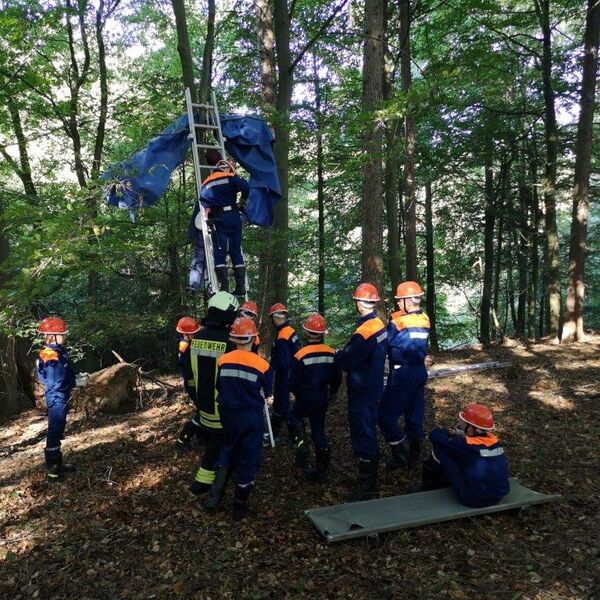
x,y
142,179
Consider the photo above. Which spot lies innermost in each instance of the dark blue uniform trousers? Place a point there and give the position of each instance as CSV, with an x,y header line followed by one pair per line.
x,y
242,450
281,397
362,416
228,239
404,395
58,407
315,413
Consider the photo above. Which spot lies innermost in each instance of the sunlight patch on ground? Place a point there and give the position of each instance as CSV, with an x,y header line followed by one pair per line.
x,y
552,400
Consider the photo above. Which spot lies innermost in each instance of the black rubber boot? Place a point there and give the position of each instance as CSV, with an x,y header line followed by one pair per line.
x,y
240,502
239,273
366,488
217,489
432,478
301,443
56,468
414,453
222,278
320,473
399,457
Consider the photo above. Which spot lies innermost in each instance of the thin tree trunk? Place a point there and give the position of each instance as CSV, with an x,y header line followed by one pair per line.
x,y
278,284
534,262
551,135
410,141
430,291
498,266
391,180
320,188
488,253
103,113
372,196
573,328
207,54
183,48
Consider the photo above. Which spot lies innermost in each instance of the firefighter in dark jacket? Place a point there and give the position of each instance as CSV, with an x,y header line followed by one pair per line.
x,y
218,196
469,458
363,358
286,344
187,327
243,382
211,342
314,381
250,309
404,395
55,371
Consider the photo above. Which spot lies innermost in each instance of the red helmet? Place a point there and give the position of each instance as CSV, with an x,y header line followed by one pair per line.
x,y
53,326
315,323
187,325
409,289
278,307
243,327
366,292
478,415
249,307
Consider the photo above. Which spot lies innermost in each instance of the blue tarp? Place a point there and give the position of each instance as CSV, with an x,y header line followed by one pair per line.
x,y
141,180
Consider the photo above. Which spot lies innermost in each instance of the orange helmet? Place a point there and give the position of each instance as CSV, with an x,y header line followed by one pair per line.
x,y
315,323
249,307
278,307
366,292
408,289
478,415
187,325
53,326
243,327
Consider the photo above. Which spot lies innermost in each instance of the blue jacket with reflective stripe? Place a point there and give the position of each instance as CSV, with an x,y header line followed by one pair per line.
x,y
363,357
408,336
222,188
241,378
315,374
55,371
284,347
482,462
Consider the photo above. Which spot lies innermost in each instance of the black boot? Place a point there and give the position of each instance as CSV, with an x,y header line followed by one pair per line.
x,y
432,478
399,457
298,434
222,278
414,453
366,488
56,468
240,501
239,273
321,471
217,489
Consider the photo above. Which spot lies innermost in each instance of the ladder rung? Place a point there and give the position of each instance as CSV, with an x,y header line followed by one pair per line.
x,y
201,126
208,146
208,166
203,106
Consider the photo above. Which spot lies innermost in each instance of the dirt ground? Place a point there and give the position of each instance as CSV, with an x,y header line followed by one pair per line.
x,y
125,525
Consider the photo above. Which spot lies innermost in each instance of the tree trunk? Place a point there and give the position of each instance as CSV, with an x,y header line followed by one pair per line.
x,y
320,189
534,263
410,141
430,291
372,176
498,266
183,48
207,54
23,169
573,328
103,114
279,269
488,253
549,186
391,181
522,248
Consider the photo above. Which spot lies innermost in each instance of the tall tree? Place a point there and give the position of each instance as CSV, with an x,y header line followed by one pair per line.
x,y
372,174
573,327
488,254
410,197
549,186
430,251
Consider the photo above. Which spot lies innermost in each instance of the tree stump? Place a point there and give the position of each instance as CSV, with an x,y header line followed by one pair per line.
x,y
111,390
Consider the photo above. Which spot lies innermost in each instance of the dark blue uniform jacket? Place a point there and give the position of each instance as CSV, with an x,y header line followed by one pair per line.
x,y
55,371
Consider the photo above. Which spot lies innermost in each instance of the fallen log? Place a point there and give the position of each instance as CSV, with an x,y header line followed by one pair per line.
x,y
457,370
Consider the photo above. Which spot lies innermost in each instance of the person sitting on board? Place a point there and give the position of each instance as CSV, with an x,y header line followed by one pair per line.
x,y
469,458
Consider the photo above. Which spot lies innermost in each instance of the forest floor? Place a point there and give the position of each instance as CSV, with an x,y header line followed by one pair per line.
x,y
125,525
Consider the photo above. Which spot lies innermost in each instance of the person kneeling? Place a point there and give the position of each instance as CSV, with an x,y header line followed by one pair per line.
x,y
241,377
469,458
